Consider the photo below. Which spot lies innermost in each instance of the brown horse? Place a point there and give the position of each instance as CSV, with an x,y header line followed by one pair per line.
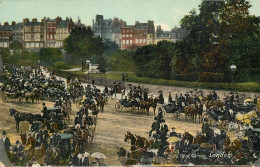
x,y
199,108
200,139
190,111
145,106
153,103
142,143
217,103
232,146
187,136
30,144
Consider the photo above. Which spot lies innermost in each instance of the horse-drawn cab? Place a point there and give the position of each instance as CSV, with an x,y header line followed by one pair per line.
x,y
247,106
173,110
65,144
124,104
253,140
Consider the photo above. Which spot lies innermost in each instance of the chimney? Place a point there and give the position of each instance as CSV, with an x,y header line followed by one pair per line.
x,y
26,20
6,23
13,23
34,20
67,19
136,22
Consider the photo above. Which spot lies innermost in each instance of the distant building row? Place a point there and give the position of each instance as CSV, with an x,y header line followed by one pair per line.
x,y
52,32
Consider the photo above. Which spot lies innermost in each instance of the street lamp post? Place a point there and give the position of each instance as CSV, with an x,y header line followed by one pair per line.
x,y
88,62
12,54
233,68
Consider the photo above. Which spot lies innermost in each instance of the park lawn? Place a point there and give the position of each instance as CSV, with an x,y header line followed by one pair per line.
x,y
241,87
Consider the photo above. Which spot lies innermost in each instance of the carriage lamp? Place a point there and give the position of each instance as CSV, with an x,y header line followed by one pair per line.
x,y
233,68
88,62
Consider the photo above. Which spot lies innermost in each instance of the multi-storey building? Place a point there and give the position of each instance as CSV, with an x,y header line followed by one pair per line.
x,y
174,35
116,31
137,35
64,28
17,33
150,37
5,35
127,35
34,33
51,25
102,27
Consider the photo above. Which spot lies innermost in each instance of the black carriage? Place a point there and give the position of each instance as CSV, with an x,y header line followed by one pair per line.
x,y
125,104
174,111
65,144
244,108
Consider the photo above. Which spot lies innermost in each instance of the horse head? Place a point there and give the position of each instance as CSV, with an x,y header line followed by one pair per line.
x,y
13,112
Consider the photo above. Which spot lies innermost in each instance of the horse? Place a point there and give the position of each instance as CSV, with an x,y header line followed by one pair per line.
x,y
153,103
187,136
145,106
19,116
142,143
191,111
232,146
246,118
131,137
217,103
200,139
199,111
30,144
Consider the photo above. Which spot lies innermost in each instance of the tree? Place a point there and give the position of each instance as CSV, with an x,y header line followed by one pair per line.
x,y
16,45
122,60
49,56
102,65
82,44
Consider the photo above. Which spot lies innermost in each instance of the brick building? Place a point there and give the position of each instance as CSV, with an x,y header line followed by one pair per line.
x,y
127,35
17,33
5,35
51,26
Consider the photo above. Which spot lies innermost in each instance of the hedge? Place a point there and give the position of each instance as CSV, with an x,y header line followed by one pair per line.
x,y
241,87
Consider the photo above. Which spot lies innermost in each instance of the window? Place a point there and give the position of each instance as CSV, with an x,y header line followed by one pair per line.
x,y
123,35
48,36
50,29
136,41
127,31
123,30
127,35
51,37
131,30
127,42
131,35
131,41
123,41
143,40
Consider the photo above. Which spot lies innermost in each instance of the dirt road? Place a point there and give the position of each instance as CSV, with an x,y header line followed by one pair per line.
x,y
110,130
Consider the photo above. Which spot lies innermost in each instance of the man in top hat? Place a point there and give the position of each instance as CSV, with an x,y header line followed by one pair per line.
x,y
18,148
206,128
170,99
6,141
173,133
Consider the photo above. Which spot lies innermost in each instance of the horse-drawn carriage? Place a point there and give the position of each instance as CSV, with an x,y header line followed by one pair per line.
x,y
125,104
172,110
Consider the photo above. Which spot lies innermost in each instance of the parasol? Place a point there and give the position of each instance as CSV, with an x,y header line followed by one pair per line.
x,y
204,145
248,100
98,155
172,139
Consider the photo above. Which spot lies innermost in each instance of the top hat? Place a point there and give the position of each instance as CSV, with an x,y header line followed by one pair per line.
x,y
4,132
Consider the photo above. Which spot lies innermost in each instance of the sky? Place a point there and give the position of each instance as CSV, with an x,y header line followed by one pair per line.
x,y
167,13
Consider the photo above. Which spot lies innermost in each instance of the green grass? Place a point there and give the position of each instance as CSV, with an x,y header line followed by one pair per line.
x,y
241,87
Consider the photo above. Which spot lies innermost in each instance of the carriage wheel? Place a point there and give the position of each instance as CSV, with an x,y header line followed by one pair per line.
x,y
176,115
118,107
4,98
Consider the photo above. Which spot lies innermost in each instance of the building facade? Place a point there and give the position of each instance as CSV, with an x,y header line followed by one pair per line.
x,y
51,28
150,37
127,35
102,27
140,34
64,28
5,35
34,33
17,33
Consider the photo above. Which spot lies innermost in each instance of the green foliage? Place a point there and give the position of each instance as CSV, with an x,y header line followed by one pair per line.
x,y
49,56
122,61
81,44
21,58
154,60
102,64
16,45
60,65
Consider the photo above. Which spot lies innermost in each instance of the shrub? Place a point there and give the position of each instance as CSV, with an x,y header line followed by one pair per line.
x,y
211,77
60,65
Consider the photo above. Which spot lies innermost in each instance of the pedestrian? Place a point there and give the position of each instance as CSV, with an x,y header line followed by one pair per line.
x,y
6,141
